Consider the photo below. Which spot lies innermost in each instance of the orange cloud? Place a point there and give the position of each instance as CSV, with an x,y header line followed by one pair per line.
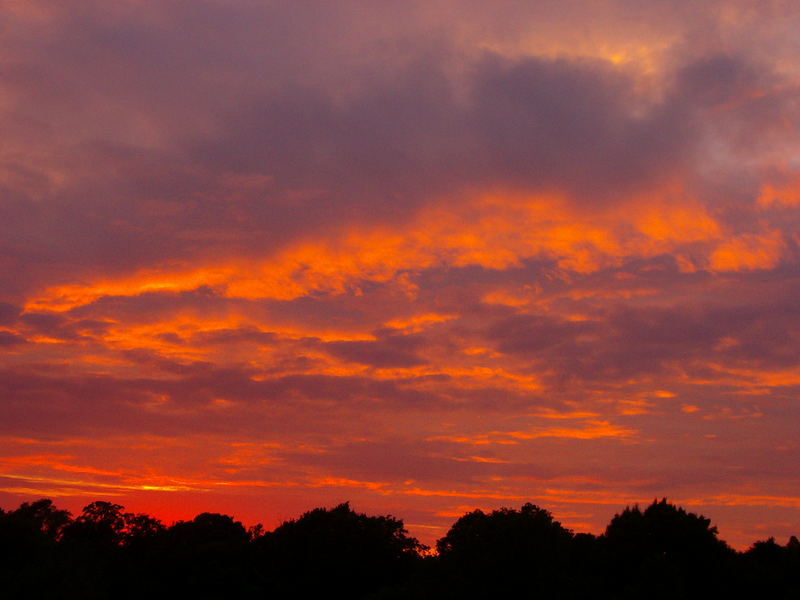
x,y
786,193
375,486
594,429
748,252
494,231
419,322
70,486
748,500
591,429
482,494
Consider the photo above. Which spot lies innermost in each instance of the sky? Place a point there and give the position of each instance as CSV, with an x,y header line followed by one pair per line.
x,y
258,257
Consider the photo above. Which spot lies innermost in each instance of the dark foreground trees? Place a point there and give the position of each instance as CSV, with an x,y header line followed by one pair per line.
x,y
336,549
506,552
30,561
770,570
665,552
662,551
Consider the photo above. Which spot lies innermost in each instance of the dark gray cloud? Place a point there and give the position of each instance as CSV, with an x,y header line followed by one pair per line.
x,y
8,338
200,108
8,313
387,351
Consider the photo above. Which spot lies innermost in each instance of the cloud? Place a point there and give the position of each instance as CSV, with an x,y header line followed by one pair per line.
x,y
10,339
387,351
427,254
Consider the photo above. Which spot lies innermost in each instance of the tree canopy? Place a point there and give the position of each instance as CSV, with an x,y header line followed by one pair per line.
x,y
661,551
506,550
341,548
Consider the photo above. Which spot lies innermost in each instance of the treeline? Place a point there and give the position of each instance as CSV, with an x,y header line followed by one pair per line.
x,y
662,551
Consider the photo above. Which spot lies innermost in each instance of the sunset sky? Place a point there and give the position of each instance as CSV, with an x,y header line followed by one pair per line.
x,y
426,256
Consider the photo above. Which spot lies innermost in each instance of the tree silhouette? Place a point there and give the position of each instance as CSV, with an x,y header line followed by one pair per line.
x,y
105,547
336,552
29,564
507,553
100,524
771,570
91,551
41,516
662,551
204,558
140,528
665,552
